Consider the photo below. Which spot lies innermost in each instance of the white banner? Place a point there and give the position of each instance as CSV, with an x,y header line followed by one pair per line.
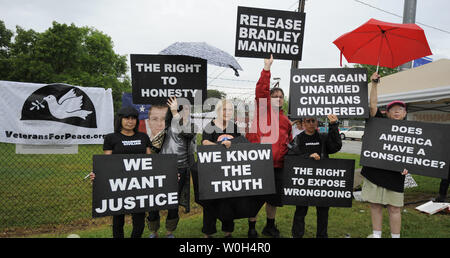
x,y
54,114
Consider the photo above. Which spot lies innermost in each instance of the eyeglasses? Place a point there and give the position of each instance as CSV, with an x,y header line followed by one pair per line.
x,y
277,97
310,120
395,109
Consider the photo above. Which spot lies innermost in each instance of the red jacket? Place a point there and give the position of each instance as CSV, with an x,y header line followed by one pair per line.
x,y
266,128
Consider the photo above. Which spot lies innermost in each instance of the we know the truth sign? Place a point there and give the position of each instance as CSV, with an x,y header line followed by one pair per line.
x,y
241,170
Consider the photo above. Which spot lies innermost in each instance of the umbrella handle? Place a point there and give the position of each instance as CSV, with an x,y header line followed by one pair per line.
x,y
377,80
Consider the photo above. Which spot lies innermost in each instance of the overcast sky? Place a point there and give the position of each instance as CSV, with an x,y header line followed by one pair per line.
x,y
149,26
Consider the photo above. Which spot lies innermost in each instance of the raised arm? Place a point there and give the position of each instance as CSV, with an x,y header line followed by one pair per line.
x,y
375,78
263,85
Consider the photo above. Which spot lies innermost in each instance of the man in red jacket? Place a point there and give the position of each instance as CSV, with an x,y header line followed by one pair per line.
x,y
270,125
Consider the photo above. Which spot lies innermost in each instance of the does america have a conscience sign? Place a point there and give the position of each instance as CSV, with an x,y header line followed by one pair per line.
x,y
241,170
261,32
155,78
421,148
134,183
323,91
326,183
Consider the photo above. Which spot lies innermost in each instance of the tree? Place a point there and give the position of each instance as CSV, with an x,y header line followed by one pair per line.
x,y
382,71
67,54
216,94
5,49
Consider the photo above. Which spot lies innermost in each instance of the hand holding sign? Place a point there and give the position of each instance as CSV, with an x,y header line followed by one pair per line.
x,y
333,118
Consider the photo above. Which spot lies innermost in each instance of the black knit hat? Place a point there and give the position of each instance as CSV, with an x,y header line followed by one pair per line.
x,y
126,112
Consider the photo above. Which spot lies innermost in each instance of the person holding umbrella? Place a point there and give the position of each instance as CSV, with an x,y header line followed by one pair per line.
x,y
384,187
179,139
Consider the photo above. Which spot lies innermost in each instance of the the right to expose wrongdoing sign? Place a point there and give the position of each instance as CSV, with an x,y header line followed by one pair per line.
x,y
323,91
421,148
324,183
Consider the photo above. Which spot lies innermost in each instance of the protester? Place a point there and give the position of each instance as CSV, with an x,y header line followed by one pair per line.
x,y
220,130
310,144
126,131
384,187
443,189
179,139
270,126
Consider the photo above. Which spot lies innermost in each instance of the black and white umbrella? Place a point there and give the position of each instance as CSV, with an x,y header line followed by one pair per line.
x,y
203,50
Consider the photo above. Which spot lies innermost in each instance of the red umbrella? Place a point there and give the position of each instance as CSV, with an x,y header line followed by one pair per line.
x,y
383,44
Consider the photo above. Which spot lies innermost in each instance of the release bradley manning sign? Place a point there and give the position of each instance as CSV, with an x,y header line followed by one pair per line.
x,y
324,183
421,148
261,32
241,170
324,91
134,183
155,78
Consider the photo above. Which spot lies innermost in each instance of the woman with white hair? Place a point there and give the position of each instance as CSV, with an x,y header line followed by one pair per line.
x,y
220,130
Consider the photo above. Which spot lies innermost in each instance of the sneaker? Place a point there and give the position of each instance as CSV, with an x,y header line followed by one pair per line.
x,y
252,233
271,231
170,236
153,235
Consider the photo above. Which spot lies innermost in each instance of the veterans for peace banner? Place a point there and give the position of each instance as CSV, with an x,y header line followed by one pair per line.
x,y
421,148
261,32
244,169
126,183
156,78
323,91
324,183
54,114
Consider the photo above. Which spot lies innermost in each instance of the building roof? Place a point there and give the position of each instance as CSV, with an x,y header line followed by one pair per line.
x,y
429,83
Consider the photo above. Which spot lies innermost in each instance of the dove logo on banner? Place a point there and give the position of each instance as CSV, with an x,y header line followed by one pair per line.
x,y
61,103
54,114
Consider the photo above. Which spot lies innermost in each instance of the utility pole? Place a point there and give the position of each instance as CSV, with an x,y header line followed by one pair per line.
x,y
409,16
301,9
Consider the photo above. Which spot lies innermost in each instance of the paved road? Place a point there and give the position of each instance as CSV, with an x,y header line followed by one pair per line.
x,y
353,147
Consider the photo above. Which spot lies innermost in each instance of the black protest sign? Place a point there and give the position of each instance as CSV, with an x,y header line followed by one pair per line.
x,y
421,148
261,32
133,183
324,91
324,183
242,170
155,78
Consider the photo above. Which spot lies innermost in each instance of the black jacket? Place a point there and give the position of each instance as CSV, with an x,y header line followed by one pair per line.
x,y
329,143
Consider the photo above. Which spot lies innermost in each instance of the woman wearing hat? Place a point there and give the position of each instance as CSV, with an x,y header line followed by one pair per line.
x,y
384,187
126,140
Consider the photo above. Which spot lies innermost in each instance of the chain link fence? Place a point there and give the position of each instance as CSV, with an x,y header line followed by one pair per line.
x,y
44,189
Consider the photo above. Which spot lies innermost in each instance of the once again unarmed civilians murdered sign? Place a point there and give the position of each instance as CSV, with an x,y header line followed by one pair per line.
x,y
324,183
134,183
261,32
241,170
155,78
421,148
324,91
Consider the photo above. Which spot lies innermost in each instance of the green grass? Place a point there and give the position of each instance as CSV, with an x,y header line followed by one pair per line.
x,y
34,189
48,194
